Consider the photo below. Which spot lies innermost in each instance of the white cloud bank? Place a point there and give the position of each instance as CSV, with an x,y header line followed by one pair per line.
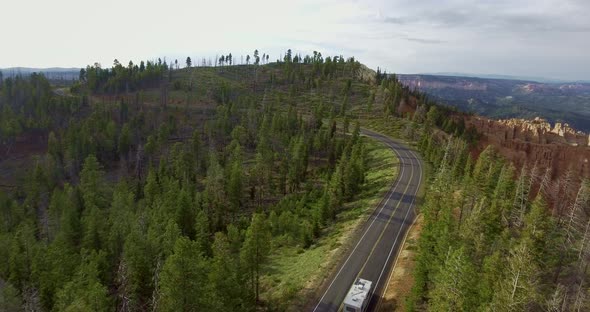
x,y
518,37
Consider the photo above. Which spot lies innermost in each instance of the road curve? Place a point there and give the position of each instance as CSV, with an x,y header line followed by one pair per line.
x,y
376,249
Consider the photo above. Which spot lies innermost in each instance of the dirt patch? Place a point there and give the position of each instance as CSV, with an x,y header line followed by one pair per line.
x,y
18,154
401,279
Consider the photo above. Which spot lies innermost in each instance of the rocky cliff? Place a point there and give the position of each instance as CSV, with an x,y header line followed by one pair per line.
x,y
558,147
506,98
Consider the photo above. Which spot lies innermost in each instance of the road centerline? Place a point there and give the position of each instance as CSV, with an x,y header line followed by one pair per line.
x,y
383,204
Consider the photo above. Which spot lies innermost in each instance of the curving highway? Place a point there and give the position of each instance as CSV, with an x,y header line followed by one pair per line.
x,y
376,249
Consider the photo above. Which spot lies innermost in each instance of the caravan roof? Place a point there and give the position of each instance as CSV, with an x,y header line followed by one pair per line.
x,y
358,293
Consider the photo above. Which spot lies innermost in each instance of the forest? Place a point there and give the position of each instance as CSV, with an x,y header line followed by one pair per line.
x,y
153,188
496,237
156,182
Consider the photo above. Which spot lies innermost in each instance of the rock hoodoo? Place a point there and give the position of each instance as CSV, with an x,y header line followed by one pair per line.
x,y
536,141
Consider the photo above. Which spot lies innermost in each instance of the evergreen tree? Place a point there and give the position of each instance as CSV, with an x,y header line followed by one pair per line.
x,y
185,213
226,279
85,292
455,284
9,298
202,233
518,288
234,181
255,250
183,280
138,260
124,142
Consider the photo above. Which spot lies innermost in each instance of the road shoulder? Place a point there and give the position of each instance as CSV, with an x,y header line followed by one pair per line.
x,y
298,275
400,280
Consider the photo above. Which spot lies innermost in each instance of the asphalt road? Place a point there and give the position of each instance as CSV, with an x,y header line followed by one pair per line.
x,y
373,254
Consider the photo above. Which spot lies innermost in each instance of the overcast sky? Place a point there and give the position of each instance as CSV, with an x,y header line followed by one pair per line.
x,y
544,38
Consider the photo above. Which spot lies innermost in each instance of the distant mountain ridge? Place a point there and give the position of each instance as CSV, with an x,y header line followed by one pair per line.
x,y
506,77
52,73
567,102
39,70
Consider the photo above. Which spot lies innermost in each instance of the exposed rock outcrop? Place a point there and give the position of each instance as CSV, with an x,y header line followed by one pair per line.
x,y
536,141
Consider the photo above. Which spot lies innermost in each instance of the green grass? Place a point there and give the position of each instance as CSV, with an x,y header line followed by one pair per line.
x,y
395,127
294,273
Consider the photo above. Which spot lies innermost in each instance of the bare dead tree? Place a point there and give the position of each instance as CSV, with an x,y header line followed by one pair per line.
x,y
572,221
545,184
31,299
571,227
557,302
520,285
581,297
563,193
139,155
123,287
583,248
156,293
521,196
163,95
420,114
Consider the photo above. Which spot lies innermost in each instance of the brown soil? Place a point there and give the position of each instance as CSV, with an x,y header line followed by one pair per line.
x,y
17,156
401,280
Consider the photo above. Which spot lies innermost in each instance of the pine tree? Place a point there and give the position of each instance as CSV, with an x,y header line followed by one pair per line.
x,y
138,258
124,142
54,147
85,292
518,288
538,231
234,181
185,213
120,213
255,250
226,278
10,299
455,284
214,194
92,184
151,189
183,280
202,233
54,266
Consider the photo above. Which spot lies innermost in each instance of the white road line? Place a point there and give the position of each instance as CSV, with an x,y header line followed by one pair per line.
x,y
401,226
392,191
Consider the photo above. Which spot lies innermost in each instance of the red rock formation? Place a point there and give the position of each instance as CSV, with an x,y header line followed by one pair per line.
x,y
407,106
535,141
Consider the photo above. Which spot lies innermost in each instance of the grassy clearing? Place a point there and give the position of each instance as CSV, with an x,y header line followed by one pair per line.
x,y
295,273
401,128
388,126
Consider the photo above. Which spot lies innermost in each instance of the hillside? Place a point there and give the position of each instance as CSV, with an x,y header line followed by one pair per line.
x,y
504,98
142,185
113,186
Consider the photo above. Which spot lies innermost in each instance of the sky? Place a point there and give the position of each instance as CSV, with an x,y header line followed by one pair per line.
x,y
535,38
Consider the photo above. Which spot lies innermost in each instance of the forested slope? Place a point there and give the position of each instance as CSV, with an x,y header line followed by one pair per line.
x,y
159,183
495,236
491,242
155,183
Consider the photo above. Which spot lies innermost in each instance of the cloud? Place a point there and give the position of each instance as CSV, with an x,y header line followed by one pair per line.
x,y
396,20
521,37
426,41
512,16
